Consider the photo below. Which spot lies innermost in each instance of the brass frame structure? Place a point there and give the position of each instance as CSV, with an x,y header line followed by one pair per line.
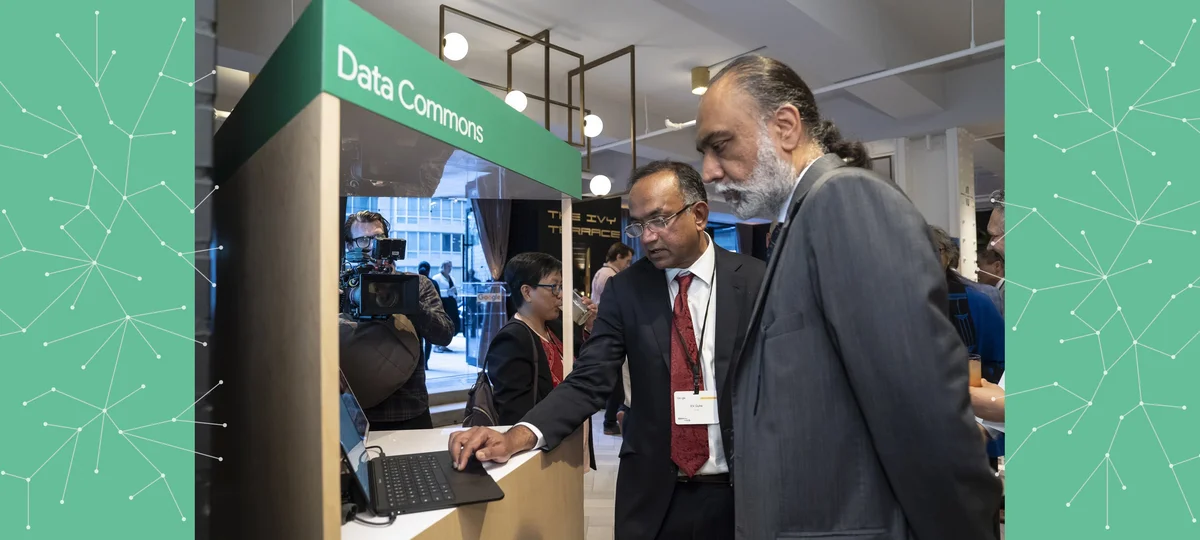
x,y
543,38
581,70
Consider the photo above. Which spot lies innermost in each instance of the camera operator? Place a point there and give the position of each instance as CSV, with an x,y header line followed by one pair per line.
x,y
382,358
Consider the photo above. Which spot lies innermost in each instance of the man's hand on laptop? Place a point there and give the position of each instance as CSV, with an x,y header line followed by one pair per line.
x,y
487,444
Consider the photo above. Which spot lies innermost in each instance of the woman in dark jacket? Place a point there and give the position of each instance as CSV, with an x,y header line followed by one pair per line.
x,y
534,283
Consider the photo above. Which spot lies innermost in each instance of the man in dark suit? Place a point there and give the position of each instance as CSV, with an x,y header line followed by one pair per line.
x,y
680,315
850,404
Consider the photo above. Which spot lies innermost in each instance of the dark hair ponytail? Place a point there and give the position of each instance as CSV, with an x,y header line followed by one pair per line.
x,y
852,152
772,84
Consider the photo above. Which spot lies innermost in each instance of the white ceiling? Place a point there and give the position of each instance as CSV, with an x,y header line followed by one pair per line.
x,y
826,41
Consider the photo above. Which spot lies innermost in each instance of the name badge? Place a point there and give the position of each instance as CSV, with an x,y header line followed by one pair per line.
x,y
693,409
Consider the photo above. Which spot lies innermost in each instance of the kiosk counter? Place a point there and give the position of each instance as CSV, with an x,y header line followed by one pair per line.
x,y
543,496
348,107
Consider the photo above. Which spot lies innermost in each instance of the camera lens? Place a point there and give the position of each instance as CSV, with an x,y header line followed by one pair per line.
x,y
386,295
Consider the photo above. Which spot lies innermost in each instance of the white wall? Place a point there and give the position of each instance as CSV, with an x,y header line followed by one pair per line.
x,y
937,172
927,178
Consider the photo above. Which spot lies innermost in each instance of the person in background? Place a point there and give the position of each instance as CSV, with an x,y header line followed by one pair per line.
x,y
995,228
979,324
449,292
989,291
619,257
991,268
678,315
990,272
973,309
426,346
535,282
851,416
989,400
382,359
471,307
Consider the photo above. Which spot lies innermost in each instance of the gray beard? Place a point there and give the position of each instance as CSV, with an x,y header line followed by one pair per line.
x,y
768,187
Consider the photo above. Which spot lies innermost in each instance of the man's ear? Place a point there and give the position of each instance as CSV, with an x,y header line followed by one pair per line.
x,y
788,127
700,210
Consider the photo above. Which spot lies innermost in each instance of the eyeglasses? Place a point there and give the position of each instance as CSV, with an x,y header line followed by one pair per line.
x,y
365,242
655,225
555,288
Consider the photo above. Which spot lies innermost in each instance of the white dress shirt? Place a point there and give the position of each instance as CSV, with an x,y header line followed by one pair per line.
x,y
787,205
700,295
701,299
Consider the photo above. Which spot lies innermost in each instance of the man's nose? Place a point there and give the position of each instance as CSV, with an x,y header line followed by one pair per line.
x,y
710,170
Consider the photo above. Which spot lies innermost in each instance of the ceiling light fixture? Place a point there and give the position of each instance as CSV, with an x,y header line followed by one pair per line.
x,y
592,125
600,185
454,46
517,100
699,80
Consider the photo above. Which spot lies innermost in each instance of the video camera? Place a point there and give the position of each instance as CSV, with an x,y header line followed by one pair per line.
x,y
370,287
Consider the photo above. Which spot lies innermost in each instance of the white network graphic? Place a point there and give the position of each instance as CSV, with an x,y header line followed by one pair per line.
x,y
91,265
1102,275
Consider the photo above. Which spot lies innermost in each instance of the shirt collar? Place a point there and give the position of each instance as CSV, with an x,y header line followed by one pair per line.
x,y
787,205
702,268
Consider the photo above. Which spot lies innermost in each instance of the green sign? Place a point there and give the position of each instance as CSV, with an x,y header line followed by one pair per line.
x,y
97,285
1102,297
340,49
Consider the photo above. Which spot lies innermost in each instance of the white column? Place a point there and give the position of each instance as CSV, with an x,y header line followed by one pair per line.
x,y
568,284
937,171
960,168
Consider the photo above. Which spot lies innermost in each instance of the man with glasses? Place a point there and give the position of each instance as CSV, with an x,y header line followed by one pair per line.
x,y
679,314
382,360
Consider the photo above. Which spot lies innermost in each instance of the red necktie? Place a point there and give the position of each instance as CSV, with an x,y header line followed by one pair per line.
x,y
689,444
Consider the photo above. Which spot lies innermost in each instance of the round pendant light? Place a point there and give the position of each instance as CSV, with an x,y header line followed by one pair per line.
x,y
592,125
454,46
600,185
517,100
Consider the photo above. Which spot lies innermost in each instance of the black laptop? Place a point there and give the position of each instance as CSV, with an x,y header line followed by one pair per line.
x,y
408,483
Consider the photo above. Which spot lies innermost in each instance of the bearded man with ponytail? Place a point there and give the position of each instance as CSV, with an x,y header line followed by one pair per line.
x,y
851,414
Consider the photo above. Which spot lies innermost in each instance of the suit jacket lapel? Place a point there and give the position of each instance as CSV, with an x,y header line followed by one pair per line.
x,y
656,303
731,311
822,165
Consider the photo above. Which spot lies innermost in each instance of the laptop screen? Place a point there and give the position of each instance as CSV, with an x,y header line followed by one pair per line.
x,y
353,434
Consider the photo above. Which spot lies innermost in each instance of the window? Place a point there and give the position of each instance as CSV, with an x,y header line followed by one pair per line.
x,y
727,238
446,241
456,243
424,245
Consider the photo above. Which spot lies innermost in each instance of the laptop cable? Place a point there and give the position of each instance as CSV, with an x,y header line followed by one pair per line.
x,y
391,519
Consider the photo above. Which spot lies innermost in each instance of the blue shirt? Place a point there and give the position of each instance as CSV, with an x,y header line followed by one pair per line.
x,y
988,342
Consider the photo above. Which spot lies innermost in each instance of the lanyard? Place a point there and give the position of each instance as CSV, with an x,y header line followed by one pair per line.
x,y
694,363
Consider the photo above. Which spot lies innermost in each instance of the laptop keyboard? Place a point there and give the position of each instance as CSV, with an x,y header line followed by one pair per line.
x,y
415,480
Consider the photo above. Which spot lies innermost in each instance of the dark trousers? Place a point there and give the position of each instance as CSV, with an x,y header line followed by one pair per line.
x,y
427,347
421,421
699,511
616,401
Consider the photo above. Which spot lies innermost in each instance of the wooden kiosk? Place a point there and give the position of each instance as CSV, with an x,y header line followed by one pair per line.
x,y
349,107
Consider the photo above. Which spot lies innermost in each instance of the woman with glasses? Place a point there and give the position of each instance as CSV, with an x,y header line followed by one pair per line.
x,y
525,360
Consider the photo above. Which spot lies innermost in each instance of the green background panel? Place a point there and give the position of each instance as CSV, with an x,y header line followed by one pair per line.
x,y
1088,249
64,178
